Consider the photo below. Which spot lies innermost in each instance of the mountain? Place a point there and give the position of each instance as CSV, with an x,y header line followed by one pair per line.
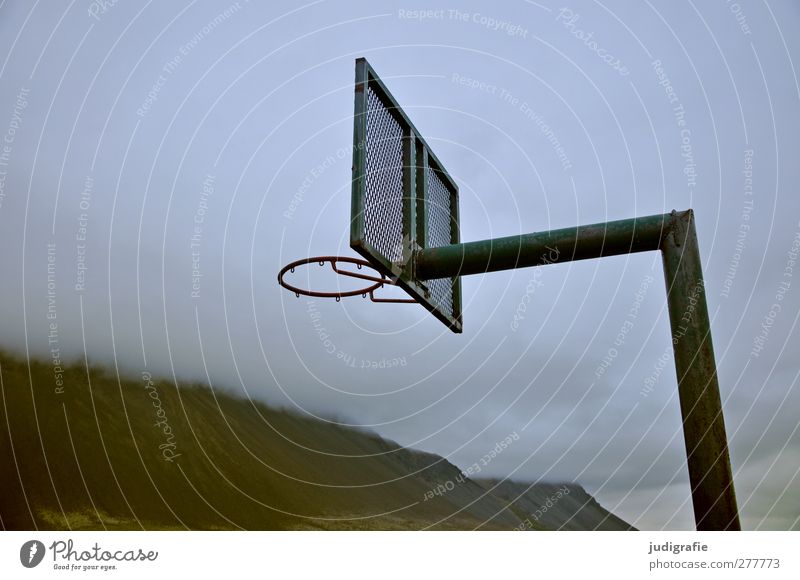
x,y
562,506
90,450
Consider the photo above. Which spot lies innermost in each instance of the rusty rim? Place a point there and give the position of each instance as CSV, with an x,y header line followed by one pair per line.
x,y
377,281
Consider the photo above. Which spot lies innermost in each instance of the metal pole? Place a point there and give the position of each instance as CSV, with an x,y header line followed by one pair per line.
x,y
674,234
703,424
570,244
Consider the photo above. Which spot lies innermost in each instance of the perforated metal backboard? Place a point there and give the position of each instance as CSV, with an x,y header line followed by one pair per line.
x,y
403,199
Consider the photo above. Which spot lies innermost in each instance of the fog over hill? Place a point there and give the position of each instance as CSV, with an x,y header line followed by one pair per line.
x,y
141,454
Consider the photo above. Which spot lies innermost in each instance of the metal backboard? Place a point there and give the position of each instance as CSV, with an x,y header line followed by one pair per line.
x,y
403,199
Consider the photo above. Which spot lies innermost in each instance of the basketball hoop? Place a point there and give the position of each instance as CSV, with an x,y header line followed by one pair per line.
x,y
404,212
378,280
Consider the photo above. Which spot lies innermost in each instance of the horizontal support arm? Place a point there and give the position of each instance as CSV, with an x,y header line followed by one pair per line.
x,y
566,245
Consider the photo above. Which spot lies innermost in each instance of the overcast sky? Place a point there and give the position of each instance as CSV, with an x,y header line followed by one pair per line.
x,y
147,143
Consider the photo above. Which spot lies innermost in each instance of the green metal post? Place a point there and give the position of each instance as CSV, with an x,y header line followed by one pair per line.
x,y
703,424
674,234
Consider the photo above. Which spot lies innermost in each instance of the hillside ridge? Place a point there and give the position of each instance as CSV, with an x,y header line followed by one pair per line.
x,y
90,450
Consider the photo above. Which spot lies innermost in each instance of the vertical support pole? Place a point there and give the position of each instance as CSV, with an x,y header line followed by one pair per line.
x,y
710,475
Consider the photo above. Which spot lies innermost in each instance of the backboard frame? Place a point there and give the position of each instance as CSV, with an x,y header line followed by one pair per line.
x,y
418,163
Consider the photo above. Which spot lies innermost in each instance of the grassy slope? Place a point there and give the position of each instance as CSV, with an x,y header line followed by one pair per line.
x,y
89,459
548,504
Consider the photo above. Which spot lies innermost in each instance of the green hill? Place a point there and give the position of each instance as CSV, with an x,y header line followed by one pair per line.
x,y
563,506
94,451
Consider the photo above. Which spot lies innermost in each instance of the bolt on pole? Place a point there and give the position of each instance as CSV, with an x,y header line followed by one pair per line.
x,y
674,234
